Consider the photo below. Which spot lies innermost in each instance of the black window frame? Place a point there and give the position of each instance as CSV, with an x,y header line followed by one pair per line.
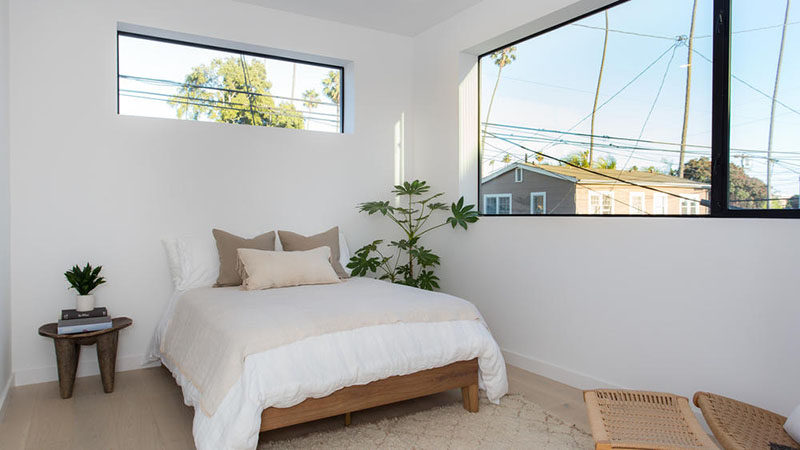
x,y
720,124
242,52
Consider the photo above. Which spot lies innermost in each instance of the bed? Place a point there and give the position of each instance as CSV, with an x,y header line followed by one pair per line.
x,y
308,352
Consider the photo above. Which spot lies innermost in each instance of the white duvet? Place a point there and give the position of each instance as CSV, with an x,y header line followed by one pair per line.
x,y
317,366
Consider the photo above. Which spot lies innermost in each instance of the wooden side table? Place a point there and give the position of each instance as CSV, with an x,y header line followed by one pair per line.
x,y
68,349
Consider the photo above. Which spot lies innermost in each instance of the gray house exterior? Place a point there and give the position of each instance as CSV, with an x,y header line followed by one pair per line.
x,y
526,188
559,191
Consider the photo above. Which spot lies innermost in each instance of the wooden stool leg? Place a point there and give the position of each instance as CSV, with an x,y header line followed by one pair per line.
x,y
469,394
107,359
67,354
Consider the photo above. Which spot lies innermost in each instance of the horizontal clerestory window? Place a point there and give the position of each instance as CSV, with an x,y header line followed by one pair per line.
x,y
167,78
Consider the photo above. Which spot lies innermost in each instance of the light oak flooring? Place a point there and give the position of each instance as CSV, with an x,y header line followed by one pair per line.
x,y
146,411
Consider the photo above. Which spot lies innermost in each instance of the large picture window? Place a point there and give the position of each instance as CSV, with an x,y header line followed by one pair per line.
x,y
649,107
172,79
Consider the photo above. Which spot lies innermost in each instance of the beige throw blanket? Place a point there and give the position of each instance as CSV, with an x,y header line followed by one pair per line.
x,y
213,330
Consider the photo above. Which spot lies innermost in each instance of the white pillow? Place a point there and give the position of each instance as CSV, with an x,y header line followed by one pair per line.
x,y
344,252
265,269
792,425
193,261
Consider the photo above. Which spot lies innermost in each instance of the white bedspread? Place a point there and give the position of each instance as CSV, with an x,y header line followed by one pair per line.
x,y
319,365
213,330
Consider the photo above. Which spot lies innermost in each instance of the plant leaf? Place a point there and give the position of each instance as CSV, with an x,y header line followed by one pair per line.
x,y
461,214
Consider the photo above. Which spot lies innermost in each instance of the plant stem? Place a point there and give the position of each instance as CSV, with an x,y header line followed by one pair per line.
x,y
432,228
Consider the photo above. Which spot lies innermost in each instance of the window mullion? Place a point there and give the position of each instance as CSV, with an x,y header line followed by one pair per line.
x,y
720,115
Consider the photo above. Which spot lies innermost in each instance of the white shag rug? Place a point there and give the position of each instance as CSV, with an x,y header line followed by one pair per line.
x,y
514,423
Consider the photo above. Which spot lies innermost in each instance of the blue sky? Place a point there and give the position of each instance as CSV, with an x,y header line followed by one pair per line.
x,y
160,60
552,83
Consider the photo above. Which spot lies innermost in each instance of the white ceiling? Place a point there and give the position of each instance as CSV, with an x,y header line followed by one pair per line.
x,y
407,17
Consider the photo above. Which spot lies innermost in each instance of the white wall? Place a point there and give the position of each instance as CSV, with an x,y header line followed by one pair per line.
x,y
89,185
653,303
5,301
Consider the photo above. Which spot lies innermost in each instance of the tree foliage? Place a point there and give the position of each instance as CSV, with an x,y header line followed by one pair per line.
x,y
793,202
330,86
311,97
418,263
232,90
744,191
505,56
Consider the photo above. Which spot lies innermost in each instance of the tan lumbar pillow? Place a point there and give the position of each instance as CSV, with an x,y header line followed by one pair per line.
x,y
227,245
293,242
267,269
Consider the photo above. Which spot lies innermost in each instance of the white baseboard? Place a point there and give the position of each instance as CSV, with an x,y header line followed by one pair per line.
x,y
562,375
573,378
86,367
4,396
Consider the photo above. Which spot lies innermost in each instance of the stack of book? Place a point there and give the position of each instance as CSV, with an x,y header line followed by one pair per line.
x,y
73,321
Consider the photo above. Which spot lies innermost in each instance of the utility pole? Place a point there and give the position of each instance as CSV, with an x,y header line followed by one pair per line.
x,y
294,78
597,92
774,101
688,91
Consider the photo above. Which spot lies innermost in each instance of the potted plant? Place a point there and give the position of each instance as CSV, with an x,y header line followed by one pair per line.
x,y
406,261
84,281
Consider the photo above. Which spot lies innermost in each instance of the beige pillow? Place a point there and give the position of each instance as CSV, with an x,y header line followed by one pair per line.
x,y
293,242
266,269
227,244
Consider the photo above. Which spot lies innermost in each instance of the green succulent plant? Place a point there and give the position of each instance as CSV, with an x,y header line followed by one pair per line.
x,y
84,280
406,261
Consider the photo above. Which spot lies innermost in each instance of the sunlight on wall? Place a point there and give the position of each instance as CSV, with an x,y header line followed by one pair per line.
x,y
467,128
399,152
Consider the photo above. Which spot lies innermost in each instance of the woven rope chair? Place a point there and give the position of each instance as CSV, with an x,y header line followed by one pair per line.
x,y
739,426
622,419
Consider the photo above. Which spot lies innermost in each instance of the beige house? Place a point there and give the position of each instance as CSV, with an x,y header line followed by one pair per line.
x,y
524,188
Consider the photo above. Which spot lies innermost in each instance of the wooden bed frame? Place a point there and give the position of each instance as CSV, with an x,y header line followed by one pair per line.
x,y
462,374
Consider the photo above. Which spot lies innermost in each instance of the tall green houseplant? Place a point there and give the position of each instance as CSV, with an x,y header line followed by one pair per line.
x,y
406,261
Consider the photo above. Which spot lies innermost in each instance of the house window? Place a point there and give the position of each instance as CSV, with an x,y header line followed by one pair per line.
x,y
497,204
518,175
690,204
538,203
601,203
660,97
660,204
180,80
636,204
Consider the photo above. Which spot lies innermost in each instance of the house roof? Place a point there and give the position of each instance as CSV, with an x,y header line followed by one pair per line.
x,y
601,176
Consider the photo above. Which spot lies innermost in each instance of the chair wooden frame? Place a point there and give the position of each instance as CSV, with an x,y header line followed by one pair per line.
x,y
624,419
741,426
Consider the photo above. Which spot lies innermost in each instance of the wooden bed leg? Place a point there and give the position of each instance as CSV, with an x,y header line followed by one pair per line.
x,y
469,394
347,419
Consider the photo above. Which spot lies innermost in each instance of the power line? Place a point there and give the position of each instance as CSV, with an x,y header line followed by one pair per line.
x,y
623,88
632,33
652,107
620,138
163,82
594,172
751,86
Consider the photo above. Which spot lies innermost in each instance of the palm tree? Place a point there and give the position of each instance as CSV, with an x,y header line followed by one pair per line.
x,y
311,98
608,162
331,86
597,92
501,58
580,159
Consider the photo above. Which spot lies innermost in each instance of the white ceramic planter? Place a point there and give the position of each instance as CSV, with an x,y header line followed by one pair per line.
x,y
84,303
